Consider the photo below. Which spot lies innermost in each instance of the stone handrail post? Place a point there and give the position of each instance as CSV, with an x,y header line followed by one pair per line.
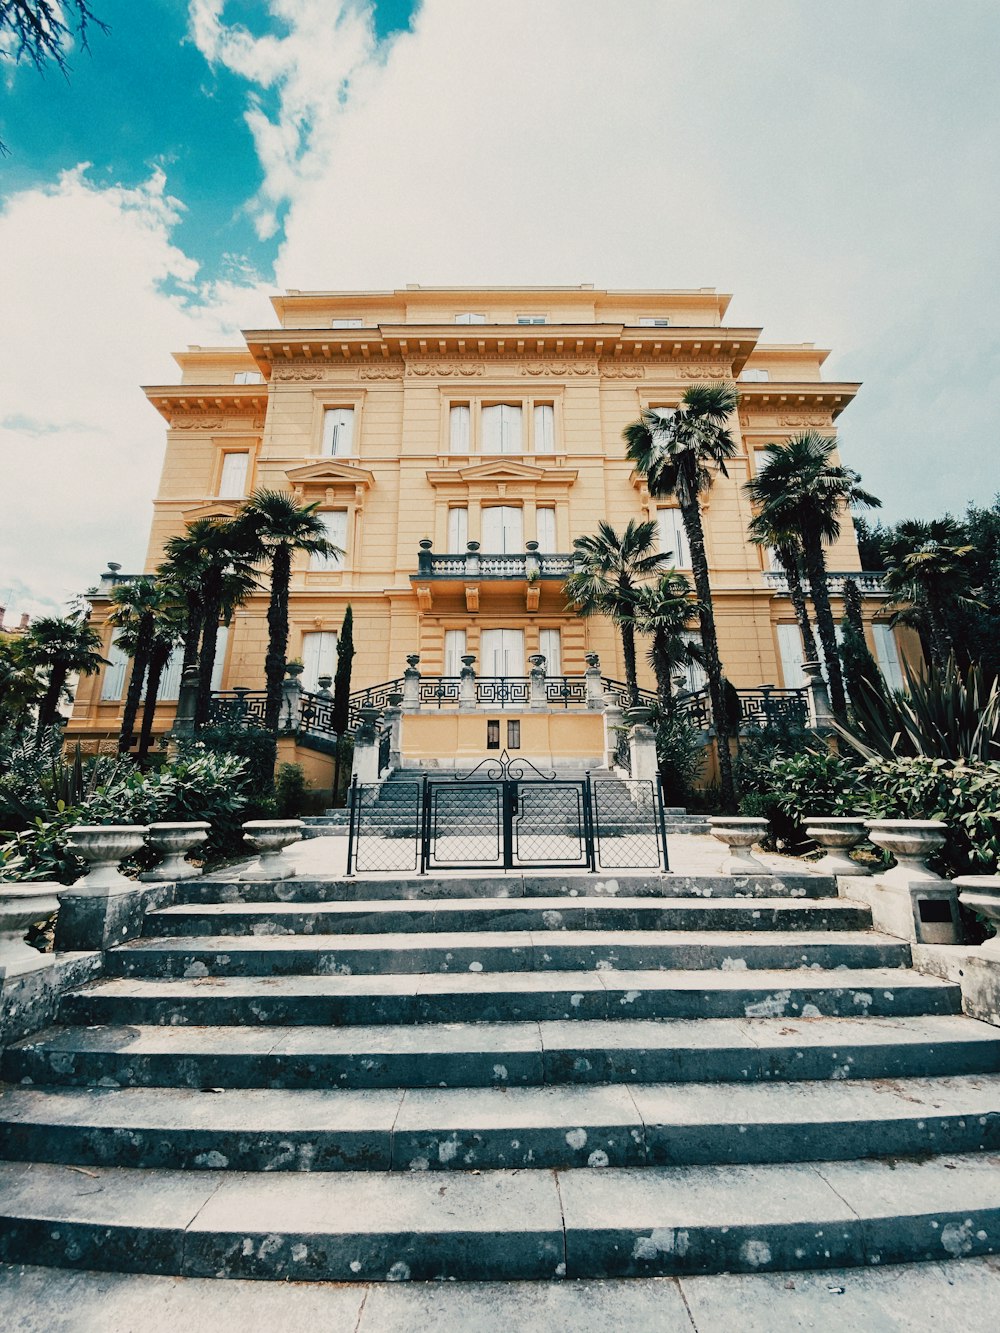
x,y
820,712
467,684
472,560
536,683
393,718
411,685
613,721
291,703
642,745
592,683
365,765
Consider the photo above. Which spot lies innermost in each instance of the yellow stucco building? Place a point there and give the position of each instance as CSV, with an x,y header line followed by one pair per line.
x,y
446,431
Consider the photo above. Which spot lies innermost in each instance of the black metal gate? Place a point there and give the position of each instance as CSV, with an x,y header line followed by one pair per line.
x,y
507,815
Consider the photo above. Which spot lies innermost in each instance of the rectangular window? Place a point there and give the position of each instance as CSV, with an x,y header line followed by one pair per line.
x,y
503,533
335,523
468,317
653,322
319,658
790,648
545,518
887,656
513,734
755,376
170,681
338,431
233,482
673,537
545,428
493,734
458,530
345,324
531,319
502,428
550,646
694,672
454,650
248,377
458,428
114,673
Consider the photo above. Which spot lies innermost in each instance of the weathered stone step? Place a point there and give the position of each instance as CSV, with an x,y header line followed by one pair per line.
x,y
500,914
350,1226
492,1128
489,884
492,1054
506,951
507,997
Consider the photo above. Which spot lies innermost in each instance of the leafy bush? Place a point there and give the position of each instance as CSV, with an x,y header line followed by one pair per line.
x,y
253,744
680,752
291,791
755,782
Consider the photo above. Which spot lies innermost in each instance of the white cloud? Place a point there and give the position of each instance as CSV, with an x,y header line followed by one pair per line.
x,y
96,299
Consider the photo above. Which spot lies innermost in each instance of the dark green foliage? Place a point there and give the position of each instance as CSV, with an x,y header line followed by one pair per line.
x,y
860,669
253,744
290,791
758,796
342,680
680,751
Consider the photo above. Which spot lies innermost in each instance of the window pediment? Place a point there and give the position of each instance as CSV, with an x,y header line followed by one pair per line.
x,y
502,472
330,472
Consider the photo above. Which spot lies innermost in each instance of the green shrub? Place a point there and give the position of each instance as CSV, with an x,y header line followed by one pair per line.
x,y
291,791
755,782
680,753
253,744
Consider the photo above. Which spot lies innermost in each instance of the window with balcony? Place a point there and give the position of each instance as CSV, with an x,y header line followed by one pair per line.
x,y
351,323
470,317
454,650
338,432
673,537
233,480
458,530
248,377
335,523
502,428
545,519
319,658
544,428
459,428
653,322
502,530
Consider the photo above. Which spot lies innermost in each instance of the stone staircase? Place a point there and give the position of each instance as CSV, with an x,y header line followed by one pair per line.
x,y
502,1078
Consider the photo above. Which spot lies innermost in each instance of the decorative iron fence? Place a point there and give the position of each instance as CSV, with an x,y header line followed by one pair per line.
x,y
316,713
617,692
441,691
384,749
566,691
499,691
237,708
623,750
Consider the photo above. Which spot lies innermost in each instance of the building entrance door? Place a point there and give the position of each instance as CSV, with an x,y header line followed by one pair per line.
x,y
501,652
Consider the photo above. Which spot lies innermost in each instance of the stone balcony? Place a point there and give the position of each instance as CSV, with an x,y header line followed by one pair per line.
x,y
869,583
463,574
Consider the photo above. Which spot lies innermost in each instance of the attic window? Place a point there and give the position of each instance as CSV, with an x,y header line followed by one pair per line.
x,y
756,376
248,377
346,324
654,322
468,317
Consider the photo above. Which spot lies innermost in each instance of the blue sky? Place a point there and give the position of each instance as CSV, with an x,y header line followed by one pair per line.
x,y
832,163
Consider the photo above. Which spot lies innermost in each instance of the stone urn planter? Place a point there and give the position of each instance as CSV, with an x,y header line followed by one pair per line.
x,y
911,841
103,847
173,842
982,894
21,905
739,833
269,837
838,834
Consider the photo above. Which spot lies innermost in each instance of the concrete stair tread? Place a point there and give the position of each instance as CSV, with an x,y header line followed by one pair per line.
x,y
374,1225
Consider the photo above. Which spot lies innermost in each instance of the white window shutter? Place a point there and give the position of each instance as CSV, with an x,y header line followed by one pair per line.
x,y
170,681
114,673
458,530
790,648
319,658
454,648
491,429
503,531
545,428
459,428
545,518
673,537
550,645
335,523
233,482
338,431
694,671
510,428
887,655
219,666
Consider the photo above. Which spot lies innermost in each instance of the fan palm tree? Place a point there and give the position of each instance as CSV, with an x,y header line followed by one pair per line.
x,y
665,610
209,562
135,606
928,576
61,647
788,552
271,528
169,623
20,686
801,491
678,454
608,570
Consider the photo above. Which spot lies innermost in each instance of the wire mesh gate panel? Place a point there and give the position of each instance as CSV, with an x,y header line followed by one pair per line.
x,y
385,828
550,824
463,825
628,824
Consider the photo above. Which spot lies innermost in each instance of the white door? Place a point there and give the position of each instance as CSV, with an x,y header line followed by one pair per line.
x,y
790,648
319,658
544,423
454,650
458,530
501,652
673,537
545,517
503,533
458,429
335,523
550,645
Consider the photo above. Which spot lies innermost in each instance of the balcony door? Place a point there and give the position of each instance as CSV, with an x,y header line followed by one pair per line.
x,y
503,532
501,652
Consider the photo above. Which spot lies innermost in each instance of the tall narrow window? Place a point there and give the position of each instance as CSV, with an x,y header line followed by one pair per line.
x,y
458,530
170,681
319,658
468,317
454,648
233,482
790,648
335,523
338,431
550,644
502,429
888,656
545,428
694,672
673,537
545,518
503,533
458,427
114,673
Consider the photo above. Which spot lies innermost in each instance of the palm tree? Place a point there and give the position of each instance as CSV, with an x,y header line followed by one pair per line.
x,y
928,576
799,490
271,528
61,647
136,604
608,568
169,622
665,610
788,551
20,687
678,455
210,564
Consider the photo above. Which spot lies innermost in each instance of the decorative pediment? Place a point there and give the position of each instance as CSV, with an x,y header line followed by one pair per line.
x,y
329,472
502,472
213,509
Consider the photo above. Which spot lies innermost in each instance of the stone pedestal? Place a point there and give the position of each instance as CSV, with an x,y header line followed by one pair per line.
x,y
269,837
593,684
981,893
838,835
21,905
411,685
739,834
104,847
911,842
88,921
364,768
467,684
536,683
173,842
642,746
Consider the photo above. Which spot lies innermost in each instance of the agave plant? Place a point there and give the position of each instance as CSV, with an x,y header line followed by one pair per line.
x,y
942,714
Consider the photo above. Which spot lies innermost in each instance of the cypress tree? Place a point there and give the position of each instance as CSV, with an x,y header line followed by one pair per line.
x,y
342,680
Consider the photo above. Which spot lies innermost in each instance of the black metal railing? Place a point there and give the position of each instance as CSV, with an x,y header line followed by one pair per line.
x,y
566,691
316,713
499,691
237,708
617,692
441,691
623,750
384,749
